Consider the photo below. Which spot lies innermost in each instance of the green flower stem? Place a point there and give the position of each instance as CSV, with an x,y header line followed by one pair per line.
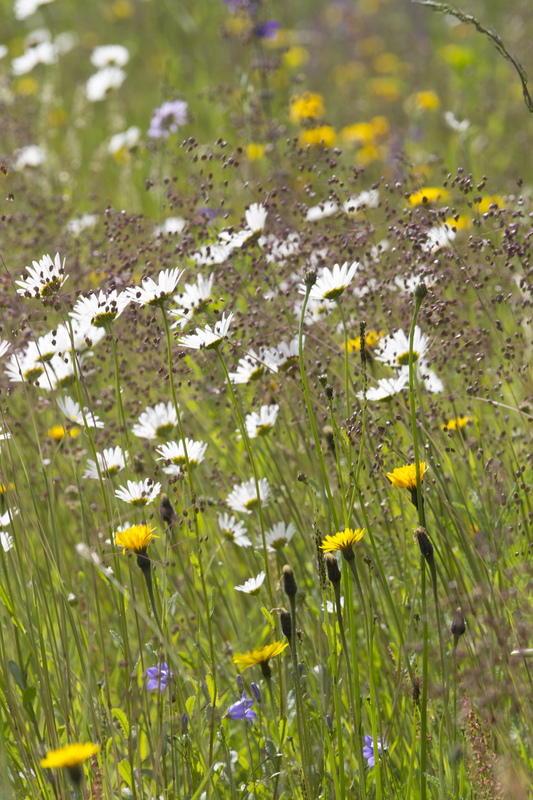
x,y
300,721
412,756
373,697
362,352
346,360
120,406
147,572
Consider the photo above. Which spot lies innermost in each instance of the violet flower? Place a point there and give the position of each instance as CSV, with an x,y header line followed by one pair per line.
x,y
267,30
167,119
368,750
242,709
158,677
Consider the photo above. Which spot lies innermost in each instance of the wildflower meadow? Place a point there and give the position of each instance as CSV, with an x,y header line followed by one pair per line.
x,y
266,399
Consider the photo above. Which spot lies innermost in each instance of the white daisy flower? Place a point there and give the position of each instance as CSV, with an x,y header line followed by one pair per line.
x,y
78,224
262,423
31,156
121,143
85,335
100,309
331,285
326,209
427,377
4,347
211,254
139,493
256,217
104,55
394,349
175,452
59,373
208,338
244,496
315,310
367,199
407,284
235,240
156,422
332,606
25,8
23,367
170,226
278,250
7,518
234,531
6,540
195,295
252,366
99,84
455,124
151,293
72,411
252,585
278,536
45,277
286,355
3,437
438,237
110,462
42,53
386,387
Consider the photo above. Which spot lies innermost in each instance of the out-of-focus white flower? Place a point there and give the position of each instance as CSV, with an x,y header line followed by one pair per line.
x,y
31,156
77,225
157,422
286,355
4,347
194,297
139,493
278,536
407,284
72,411
326,209
7,518
3,51
121,143
454,124
252,585
44,277
109,54
234,531
110,462
316,309
262,423
170,226
367,199
278,250
211,254
438,237
25,8
99,84
386,387
150,293
58,373
234,241
65,41
175,452
42,53
89,555
209,338
252,366
394,349
6,540
256,217
100,309
427,376
3,437
331,607
332,284
244,496
23,367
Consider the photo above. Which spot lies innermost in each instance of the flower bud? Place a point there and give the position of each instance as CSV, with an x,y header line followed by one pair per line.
x,y
310,277
289,581
184,723
286,624
424,543
256,691
458,626
166,509
332,566
240,683
421,291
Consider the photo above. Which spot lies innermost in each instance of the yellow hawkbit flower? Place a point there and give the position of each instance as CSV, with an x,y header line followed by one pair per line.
x,y
371,340
457,423
343,540
405,477
260,655
308,105
71,757
427,195
325,135
137,538
57,432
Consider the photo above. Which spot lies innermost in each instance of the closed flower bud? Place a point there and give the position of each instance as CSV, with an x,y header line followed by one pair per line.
x,y
256,691
421,291
310,277
334,573
240,683
166,509
289,581
286,624
424,543
458,626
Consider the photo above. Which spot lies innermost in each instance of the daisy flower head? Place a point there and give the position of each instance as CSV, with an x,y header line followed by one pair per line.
x,y
23,367
71,758
325,209
139,493
343,541
211,254
4,347
175,452
286,355
405,478
252,366
156,422
210,338
427,376
438,237
104,55
244,496
366,199
278,536
332,284
256,217
99,84
233,531
45,277
260,656
195,296
6,541
154,293
72,411
100,309
394,350
261,424
137,538
252,585
110,462
386,387
59,373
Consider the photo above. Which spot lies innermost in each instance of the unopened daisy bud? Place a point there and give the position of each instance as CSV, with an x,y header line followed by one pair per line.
x,y
421,291
323,379
240,683
167,511
424,543
289,581
256,691
286,623
458,626
334,573
310,277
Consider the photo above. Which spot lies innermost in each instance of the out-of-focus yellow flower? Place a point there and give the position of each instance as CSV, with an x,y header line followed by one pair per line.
x,y
457,423
255,151
57,117
380,125
308,105
372,338
71,756
360,133
25,86
459,224
422,101
428,195
296,56
120,9
4,487
239,23
58,432
370,153
325,136
487,202
457,56
97,276
347,73
387,88
386,62
372,45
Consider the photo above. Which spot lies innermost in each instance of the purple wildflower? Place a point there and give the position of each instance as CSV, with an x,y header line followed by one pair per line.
x,y
267,30
184,723
158,677
242,709
167,119
368,750
256,691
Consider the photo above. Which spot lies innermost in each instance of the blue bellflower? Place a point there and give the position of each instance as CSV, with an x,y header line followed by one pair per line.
x,y
368,750
158,677
242,709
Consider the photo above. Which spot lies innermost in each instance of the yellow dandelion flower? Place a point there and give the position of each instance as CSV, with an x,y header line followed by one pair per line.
x,y
487,202
371,340
57,432
405,477
308,105
325,135
428,195
137,538
343,540
255,151
426,101
71,756
457,423
260,655
4,488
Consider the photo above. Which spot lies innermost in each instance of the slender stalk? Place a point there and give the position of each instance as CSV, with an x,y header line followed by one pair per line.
x,y
300,721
